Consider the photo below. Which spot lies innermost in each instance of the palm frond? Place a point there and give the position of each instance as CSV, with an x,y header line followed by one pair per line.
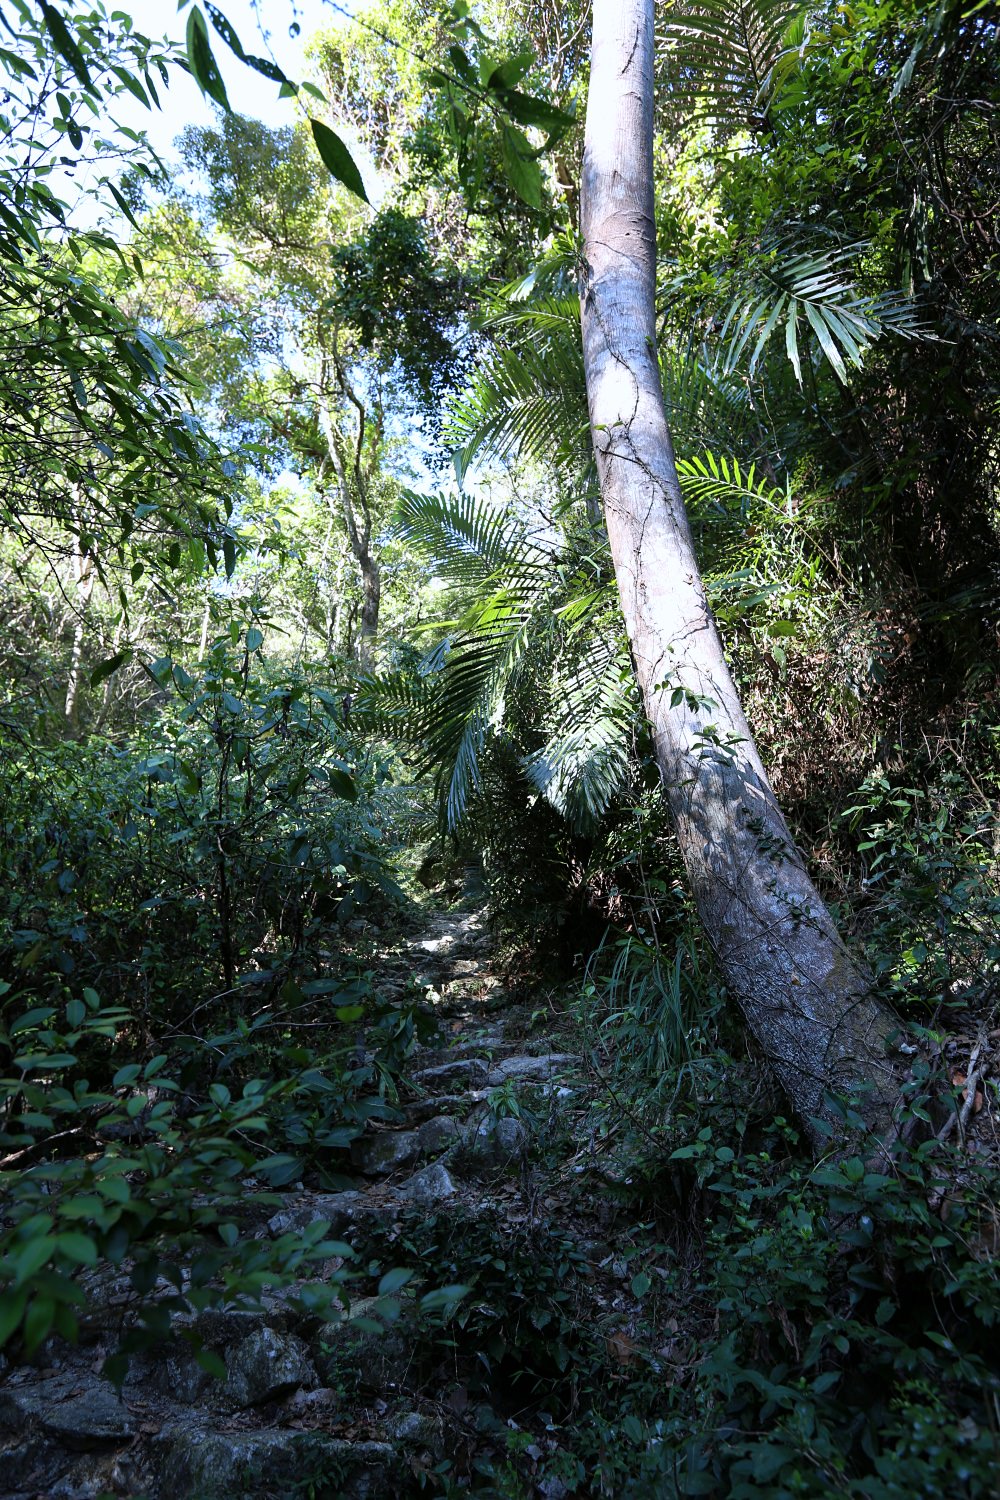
x,y
466,541
720,58
719,482
705,405
811,292
528,396
583,764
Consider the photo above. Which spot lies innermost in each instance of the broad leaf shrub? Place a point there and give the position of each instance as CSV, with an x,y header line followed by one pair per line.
x,y
178,1016
131,1173
211,853
804,1330
926,845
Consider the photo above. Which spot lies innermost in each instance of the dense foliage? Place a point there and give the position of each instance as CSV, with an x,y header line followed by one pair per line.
x,y
308,605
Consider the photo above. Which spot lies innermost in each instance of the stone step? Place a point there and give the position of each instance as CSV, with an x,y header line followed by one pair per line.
x,y
531,1069
460,1070
197,1464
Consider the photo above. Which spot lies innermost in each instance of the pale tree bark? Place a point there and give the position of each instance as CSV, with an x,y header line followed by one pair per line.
x,y
83,578
356,473
807,1002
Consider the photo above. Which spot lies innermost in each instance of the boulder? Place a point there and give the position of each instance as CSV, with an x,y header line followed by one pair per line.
x,y
200,1465
265,1365
530,1069
388,1151
73,1409
438,1133
364,1350
415,1429
460,1070
496,1141
427,1188
337,1209
419,1110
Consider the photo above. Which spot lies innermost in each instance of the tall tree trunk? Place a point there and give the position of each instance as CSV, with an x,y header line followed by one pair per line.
x,y
804,998
371,599
83,578
353,484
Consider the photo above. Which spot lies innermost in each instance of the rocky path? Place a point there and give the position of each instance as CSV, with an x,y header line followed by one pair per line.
x,y
293,1405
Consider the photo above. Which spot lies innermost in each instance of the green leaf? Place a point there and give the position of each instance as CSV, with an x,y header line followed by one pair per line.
x,y
262,65
109,667
527,110
11,1313
511,70
821,329
337,159
37,1323
792,339
202,61
65,44
641,1284
212,1363
79,1248
32,1018
76,1012
344,785
349,1013
31,1257
393,1280
226,31
255,638
519,164
445,1296
229,555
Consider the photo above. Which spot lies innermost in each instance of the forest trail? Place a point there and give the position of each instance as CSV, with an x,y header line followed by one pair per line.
x,y
358,1408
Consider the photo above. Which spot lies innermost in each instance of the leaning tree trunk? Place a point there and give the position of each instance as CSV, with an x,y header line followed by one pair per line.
x,y
804,998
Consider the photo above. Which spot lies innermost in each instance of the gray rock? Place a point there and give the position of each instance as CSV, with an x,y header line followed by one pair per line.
x,y
440,1104
369,1353
74,1409
431,1186
415,1429
94,1475
31,1464
170,1371
495,1142
530,1069
438,1134
460,1070
437,946
388,1151
338,1209
264,1365
302,1403
273,1461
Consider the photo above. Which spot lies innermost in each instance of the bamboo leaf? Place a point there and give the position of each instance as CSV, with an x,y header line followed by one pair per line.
x,y
337,159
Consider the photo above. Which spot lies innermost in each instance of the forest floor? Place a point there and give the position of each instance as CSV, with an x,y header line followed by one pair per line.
x,y
489,1176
